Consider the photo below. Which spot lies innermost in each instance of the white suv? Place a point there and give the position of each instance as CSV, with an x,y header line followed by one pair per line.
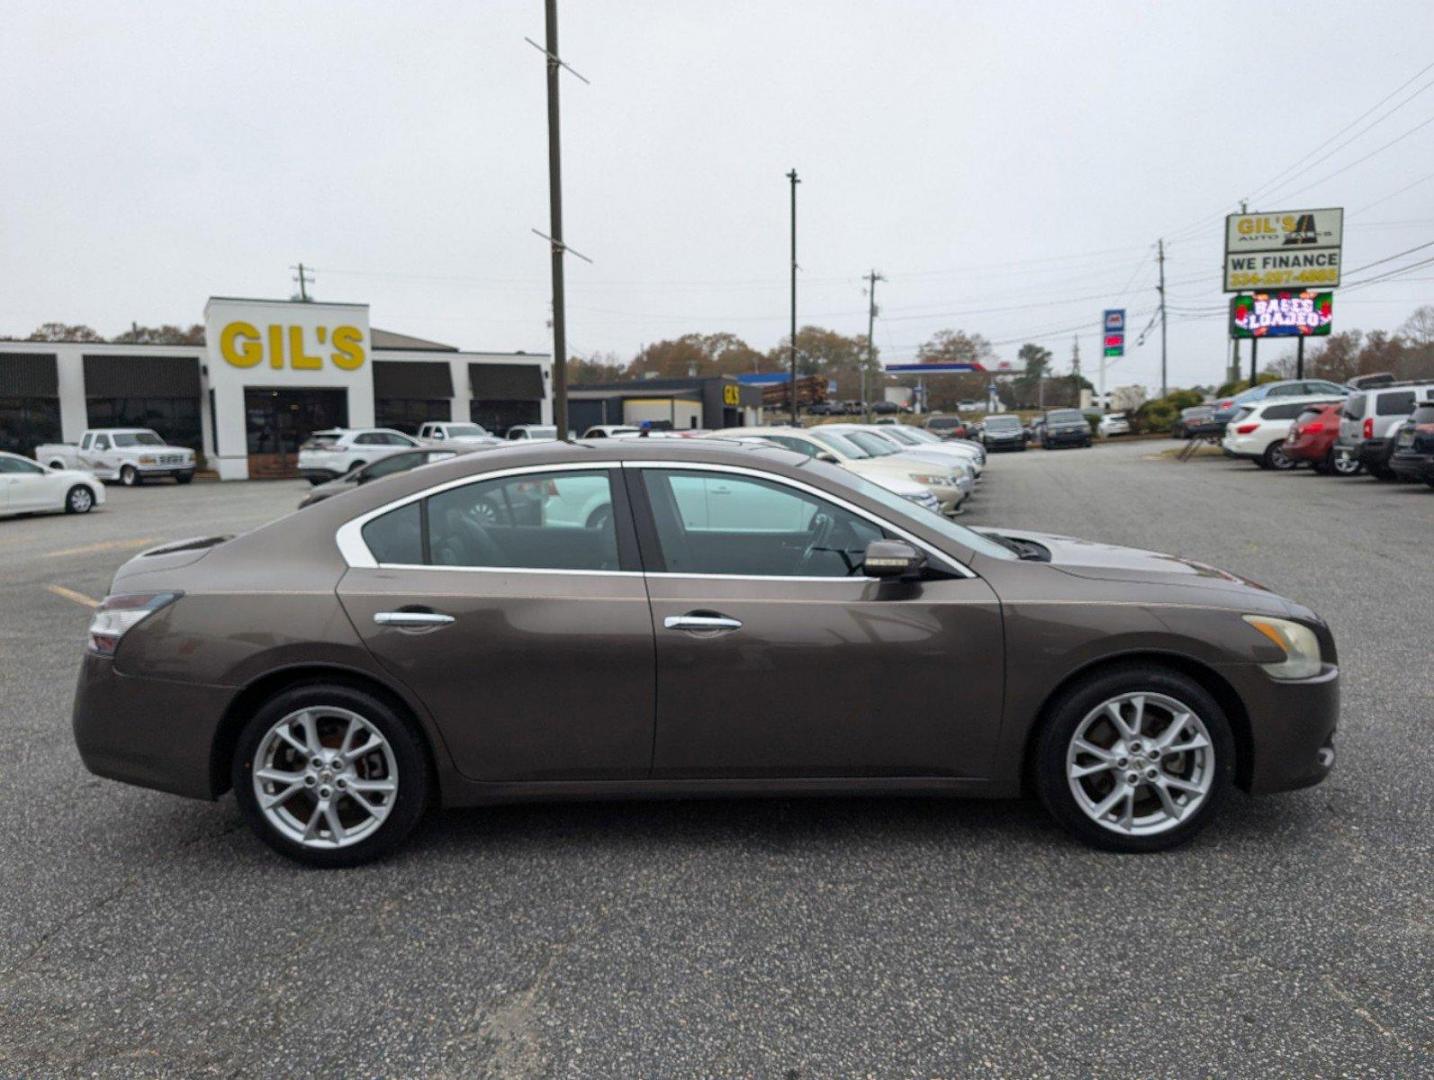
x,y
1257,430
1369,421
327,455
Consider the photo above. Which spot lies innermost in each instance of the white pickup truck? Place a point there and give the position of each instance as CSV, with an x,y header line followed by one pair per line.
x,y
443,433
129,455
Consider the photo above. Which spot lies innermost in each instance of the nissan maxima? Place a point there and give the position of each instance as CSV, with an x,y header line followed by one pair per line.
x,y
632,618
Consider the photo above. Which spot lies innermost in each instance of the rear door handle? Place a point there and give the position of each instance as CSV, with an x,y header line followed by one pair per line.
x,y
411,618
701,622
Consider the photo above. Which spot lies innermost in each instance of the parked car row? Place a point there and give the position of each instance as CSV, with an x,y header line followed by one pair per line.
x,y
1340,432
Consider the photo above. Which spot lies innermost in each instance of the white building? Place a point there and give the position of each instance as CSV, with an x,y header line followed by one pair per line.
x,y
269,373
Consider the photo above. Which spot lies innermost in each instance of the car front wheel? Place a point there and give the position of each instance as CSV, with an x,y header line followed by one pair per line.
x,y
1135,759
330,775
80,500
129,476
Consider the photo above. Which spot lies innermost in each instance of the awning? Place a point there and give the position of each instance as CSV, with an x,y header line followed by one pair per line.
x,y
29,375
506,382
141,376
414,380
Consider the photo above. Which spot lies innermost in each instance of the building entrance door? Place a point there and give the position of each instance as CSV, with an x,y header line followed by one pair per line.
x,y
276,423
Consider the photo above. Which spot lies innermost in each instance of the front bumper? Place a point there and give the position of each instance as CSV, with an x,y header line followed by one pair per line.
x,y
1067,438
151,732
318,476
1005,444
164,470
1292,727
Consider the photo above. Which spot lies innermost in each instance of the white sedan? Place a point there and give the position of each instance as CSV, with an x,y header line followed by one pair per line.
x,y
27,487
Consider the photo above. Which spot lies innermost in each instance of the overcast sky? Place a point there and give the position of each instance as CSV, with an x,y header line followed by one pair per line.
x,y
1008,167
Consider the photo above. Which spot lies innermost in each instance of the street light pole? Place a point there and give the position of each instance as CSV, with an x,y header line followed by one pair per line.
x,y
792,176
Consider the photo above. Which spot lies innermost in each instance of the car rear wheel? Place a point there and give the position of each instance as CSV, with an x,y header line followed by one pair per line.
x,y
80,500
1344,464
1135,759
330,775
1275,457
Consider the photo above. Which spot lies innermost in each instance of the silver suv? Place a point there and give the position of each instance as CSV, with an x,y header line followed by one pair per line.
x,y
1367,425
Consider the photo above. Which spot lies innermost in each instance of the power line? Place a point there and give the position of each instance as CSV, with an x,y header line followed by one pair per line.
x,y
1360,160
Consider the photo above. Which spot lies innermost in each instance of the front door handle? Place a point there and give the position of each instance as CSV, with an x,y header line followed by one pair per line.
x,y
693,621
411,619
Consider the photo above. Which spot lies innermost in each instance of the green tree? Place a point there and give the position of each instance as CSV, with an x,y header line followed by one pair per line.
x,y
944,392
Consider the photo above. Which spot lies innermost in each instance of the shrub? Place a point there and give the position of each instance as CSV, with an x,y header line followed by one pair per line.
x,y
1160,414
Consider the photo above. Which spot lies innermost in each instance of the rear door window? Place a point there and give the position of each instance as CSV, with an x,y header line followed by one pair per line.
x,y
1394,403
535,521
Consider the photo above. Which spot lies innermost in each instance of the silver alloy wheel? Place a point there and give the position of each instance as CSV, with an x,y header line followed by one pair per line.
x,y
325,777
81,500
1279,459
128,476
1346,464
1140,763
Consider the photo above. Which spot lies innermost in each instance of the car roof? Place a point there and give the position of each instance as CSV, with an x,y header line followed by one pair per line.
x,y
1295,399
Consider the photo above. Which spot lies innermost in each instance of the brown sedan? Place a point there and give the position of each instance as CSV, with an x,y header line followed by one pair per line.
x,y
687,618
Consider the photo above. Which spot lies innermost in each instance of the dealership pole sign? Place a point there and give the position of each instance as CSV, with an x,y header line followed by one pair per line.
x,y
1291,249
1281,314
1114,335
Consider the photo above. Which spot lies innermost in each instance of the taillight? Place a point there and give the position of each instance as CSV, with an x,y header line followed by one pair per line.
x,y
1245,429
1224,405
120,614
1369,427
1312,428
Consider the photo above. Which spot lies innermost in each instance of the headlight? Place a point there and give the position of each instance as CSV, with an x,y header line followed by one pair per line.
x,y
934,479
120,614
146,460
1297,641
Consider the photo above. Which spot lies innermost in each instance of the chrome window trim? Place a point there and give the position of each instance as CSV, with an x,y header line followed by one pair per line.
x,y
949,562
355,552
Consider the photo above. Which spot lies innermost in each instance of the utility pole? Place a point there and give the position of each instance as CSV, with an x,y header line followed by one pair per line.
x,y
870,367
1234,341
302,278
554,236
1160,259
1300,358
1075,366
792,176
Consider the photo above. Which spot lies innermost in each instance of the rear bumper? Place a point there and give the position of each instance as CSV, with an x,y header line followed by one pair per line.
x,y
1307,449
1412,465
151,732
1292,727
1372,452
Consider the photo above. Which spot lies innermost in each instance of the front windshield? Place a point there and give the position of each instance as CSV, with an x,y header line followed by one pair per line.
x,y
932,519
833,440
997,422
1063,416
873,444
138,438
916,435
901,435
466,431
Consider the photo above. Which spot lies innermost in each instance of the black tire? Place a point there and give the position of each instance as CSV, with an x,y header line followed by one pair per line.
x,y
415,774
1344,465
58,465
352,467
183,478
79,500
129,476
1275,457
1068,711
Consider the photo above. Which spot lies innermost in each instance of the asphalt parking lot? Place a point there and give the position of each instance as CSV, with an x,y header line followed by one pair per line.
x,y
142,934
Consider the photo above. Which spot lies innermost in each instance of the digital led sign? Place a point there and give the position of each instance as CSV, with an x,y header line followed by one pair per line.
x,y
1281,314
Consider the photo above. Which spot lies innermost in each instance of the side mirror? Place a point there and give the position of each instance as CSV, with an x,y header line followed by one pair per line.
x,y
830,459
893,559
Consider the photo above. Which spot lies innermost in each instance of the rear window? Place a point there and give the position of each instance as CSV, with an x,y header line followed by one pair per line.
x,y
1281,412
1394,403
1354,407
1313,412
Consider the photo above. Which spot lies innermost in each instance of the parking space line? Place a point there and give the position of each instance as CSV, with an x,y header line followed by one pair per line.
x,y
107,545
76,597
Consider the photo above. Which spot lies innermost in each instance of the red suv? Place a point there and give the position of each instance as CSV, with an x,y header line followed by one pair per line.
x,y
1312,437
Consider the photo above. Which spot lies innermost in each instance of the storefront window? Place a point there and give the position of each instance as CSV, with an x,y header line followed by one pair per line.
x,y
176,419
499,416
25,422
408,414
